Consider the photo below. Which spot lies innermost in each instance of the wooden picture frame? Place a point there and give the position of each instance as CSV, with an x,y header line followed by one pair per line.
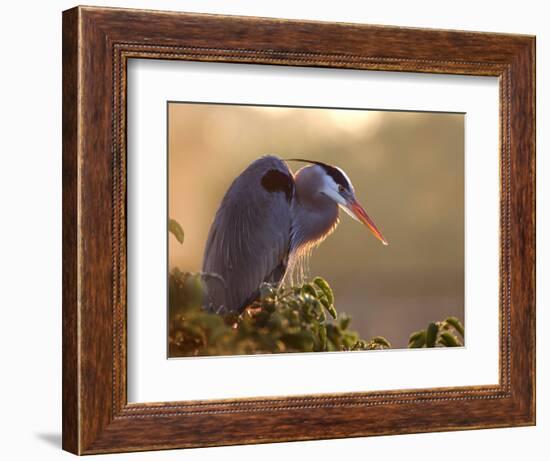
x,y
97,43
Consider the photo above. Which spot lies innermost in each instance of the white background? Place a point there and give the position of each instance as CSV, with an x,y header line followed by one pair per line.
x,y
30,244
152,378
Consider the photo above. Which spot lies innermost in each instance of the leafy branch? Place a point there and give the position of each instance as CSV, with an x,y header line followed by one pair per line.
x,y
448,333
295,319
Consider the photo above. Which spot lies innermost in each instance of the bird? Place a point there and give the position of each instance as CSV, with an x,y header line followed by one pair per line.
x,y
267,224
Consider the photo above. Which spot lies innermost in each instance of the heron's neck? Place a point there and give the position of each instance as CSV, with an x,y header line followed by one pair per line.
x,y
314,217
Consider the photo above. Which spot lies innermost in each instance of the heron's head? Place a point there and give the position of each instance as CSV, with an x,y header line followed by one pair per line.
x,y
336,185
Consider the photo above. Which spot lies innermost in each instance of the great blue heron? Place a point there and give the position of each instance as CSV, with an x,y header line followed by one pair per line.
x,y
269,221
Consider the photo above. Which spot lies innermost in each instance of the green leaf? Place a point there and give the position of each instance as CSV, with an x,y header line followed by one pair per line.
x,y
277,322
176,230
360,345
325,288
321,316
381,341
344,321
448,340
431,334
417,339
194,290
323,337
455,323
300,341
332,311
309,289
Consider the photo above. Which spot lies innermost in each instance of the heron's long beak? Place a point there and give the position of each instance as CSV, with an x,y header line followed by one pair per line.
x,y
355,210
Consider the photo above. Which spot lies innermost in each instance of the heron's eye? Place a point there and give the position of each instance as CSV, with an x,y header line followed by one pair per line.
x,y
341,189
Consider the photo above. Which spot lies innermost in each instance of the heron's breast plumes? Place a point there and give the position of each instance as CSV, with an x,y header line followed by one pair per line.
x,y
305,237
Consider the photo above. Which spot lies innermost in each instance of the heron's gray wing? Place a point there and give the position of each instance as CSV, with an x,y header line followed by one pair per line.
x,y
249,240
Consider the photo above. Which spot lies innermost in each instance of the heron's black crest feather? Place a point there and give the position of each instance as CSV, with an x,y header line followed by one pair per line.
x,y
333,172
277,181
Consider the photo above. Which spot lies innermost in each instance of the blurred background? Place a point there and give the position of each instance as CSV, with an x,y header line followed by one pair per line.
x,y
408,173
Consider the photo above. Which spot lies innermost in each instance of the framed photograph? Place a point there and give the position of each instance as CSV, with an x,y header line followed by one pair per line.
x,y
280,230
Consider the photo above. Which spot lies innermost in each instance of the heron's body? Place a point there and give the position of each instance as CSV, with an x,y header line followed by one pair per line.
x,y
267,221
